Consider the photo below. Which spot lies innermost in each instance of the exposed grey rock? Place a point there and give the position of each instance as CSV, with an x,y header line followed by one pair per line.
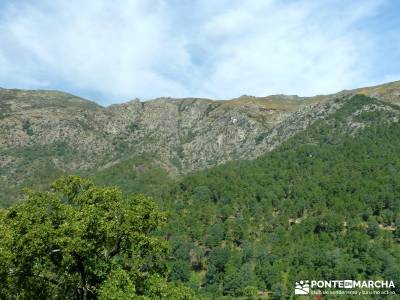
x,y
70,133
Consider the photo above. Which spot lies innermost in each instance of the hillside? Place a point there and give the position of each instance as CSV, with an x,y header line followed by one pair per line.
x,y
261,192
325,204
321,204
44,134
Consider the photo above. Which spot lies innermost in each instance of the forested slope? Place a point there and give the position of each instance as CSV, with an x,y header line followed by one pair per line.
x,y
325,205
323,202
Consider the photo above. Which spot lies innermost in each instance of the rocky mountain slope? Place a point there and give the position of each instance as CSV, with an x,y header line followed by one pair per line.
x,y
44,134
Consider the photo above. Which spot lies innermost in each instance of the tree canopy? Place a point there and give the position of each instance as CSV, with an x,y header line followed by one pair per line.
x,y
81,241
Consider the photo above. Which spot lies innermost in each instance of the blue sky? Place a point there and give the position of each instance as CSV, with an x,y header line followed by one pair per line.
x,y
114,51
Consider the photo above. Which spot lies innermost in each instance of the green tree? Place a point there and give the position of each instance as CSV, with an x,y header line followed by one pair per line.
x,y
180,271
219,257
80,241
397,230
373,228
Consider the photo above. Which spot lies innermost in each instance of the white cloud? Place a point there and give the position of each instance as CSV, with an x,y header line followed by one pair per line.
x,y
120,48
123,49
303,47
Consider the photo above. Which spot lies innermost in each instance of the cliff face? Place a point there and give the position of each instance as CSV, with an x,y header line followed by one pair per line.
x,y
45,133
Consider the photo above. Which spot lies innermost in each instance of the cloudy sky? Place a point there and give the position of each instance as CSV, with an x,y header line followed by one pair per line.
x,y
114,51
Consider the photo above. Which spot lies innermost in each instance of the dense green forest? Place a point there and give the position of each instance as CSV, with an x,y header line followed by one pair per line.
x,y
324,205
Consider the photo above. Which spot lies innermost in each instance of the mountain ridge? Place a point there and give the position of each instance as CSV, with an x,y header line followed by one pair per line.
x,y
380,90
46,134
